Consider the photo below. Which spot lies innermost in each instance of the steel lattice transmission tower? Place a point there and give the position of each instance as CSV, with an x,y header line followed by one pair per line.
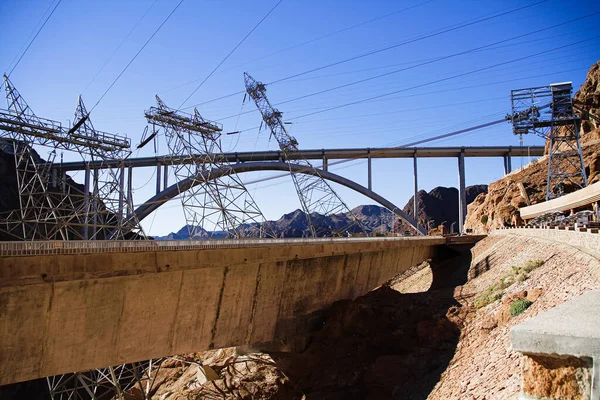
x,y
214,197
135,380
548,112
52,206
314,192
109,209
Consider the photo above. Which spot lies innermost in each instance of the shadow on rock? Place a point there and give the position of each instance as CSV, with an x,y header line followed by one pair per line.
x,y
384,345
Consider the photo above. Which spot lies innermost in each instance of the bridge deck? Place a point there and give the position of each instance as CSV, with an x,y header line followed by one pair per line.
x,y
330,154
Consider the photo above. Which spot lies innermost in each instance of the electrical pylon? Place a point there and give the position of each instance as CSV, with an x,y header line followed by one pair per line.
x,y
52,206
36,216
548,112
214,197
314,192
128,381
106,204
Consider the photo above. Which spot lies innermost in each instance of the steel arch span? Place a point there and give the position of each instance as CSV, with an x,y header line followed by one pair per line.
x,y
167,194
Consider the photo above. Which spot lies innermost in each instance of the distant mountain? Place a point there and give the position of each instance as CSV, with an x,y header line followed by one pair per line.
x,y
438,206
295,224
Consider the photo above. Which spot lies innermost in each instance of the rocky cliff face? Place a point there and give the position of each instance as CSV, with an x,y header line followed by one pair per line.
x,y
528,185
588,100
438,206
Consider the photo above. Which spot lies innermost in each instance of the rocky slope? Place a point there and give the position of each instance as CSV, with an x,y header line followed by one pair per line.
x,y
528,185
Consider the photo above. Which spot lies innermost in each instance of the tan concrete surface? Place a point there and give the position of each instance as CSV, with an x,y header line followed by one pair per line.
x,y
72,312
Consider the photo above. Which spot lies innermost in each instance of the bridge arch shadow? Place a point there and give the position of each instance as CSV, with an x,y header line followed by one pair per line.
x,y
167,194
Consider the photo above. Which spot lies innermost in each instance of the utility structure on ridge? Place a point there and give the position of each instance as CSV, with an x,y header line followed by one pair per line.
x,y
50,205
211,202
548,112
314,192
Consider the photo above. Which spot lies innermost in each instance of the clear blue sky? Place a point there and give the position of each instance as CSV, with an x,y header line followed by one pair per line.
x,y
300,35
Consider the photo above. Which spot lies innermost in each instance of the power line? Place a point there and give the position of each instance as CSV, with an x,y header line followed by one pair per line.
x,y
231,52
33,31
443,79
403,43
120,45
136,55
438,59
410,41
431,61
308,41
32,40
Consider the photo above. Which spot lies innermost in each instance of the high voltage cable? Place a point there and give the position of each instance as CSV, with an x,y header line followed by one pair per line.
x,y
403,43
438,59
421,64
231,52
408,42
31,34
136,55
32,40
454,89
120,45
443,79
311,41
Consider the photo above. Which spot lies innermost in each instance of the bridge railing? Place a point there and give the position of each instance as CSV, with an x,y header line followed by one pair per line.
x,y
113,246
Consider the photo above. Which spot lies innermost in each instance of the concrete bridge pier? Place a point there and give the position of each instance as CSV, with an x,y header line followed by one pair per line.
x,y
507,163
415,178
462,193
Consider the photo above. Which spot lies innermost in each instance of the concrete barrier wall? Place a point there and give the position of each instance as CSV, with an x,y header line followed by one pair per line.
x,y
74,312
587,240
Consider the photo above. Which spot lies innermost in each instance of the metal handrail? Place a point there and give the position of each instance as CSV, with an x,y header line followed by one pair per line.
x,y
9,249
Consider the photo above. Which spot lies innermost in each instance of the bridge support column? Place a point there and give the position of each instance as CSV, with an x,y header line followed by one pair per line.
x,y
130,191
95,203
325,164
462,193
86,202
369,173
121,191
165,176
63,181
54,177
158,171
416,181
507,164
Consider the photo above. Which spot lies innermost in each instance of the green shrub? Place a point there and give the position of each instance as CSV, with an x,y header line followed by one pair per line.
x,y
532,264
484,219
489,296
519,306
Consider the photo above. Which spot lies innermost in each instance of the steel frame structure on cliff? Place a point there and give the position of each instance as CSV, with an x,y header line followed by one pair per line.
x,y
559,126
49,207
314,193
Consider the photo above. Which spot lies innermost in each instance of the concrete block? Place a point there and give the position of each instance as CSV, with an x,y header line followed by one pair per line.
x,y
571,328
